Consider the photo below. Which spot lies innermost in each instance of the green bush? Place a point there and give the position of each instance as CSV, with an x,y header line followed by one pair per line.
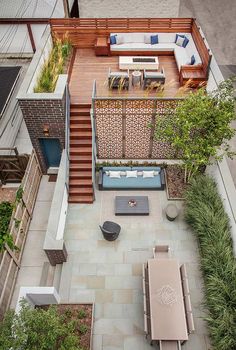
x,y
34,329
6,209
53,66
206,215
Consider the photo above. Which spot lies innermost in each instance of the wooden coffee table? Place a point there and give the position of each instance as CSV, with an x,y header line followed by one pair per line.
x,y
122,206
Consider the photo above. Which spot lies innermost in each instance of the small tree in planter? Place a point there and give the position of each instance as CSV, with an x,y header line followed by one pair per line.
x,y
200,128
37,329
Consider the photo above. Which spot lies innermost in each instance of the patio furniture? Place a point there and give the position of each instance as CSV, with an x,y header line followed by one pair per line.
x,y
138,62
171,212
119,80
123,205
136,78
153,79
169,345
167,311
110,230
161,251
155,183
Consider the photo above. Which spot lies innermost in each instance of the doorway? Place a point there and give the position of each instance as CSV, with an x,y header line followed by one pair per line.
x,y
51,149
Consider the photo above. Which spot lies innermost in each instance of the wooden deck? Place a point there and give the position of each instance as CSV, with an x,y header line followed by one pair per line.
x,y
88,67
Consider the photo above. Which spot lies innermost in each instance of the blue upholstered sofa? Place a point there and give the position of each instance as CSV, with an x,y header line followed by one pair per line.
x,y
157,182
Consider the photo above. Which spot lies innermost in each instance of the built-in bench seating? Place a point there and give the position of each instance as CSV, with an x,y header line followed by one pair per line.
x,y
106,182
135,42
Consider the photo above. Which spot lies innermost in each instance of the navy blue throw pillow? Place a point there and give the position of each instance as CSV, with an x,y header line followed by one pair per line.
x,y
113,39
186,41
193,60
154,39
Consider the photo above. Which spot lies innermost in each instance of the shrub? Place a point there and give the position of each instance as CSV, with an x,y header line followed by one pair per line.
x,y
53,66
83,328
6,209
81,314
206,215
33,329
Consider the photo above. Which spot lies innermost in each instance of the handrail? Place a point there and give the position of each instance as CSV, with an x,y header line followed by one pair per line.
x,y
67,137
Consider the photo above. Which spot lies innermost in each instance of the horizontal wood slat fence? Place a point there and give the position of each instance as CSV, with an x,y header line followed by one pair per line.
x,y
83,32
21,217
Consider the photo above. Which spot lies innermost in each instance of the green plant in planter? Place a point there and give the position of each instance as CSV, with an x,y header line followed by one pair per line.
x,y
33,329
81,314
199,129
6,209
53,66
83,328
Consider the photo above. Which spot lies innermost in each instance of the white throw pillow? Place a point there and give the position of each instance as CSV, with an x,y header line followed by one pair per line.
x,y
147,39
148,173
114,174
156,172
179,41
132,173
140,173
120,39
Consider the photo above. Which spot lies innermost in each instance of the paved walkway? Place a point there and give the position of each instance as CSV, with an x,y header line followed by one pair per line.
x,y
34,255
109,273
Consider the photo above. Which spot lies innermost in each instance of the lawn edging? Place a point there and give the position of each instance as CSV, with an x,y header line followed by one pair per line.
x,y
205,213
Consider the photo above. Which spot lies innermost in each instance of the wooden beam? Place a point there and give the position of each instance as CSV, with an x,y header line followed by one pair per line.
x,y
31,37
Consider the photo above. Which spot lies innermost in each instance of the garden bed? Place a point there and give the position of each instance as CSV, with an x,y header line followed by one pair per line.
x,y
82,314
8,194
175,184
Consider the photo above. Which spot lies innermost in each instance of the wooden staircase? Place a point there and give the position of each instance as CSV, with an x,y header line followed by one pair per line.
x,y
80,176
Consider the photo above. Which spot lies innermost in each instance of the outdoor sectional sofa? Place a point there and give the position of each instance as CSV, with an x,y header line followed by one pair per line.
x,y
130,183
134,43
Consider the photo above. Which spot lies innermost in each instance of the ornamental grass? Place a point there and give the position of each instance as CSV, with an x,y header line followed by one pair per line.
x,y
206,215
53,66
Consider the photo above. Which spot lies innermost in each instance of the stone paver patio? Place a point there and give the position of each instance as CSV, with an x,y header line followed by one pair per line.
x,y
109,273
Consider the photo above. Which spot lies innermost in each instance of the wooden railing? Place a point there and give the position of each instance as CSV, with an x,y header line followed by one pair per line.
x,y
204,52
83,32
10,260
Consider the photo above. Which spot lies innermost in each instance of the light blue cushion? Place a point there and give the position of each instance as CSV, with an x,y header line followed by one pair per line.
x,y
131,182
154,39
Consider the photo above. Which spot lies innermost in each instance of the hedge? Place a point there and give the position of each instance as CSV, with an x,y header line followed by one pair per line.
x,y
206,215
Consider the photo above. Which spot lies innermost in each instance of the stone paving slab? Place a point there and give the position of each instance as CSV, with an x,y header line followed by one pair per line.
x,y
110,273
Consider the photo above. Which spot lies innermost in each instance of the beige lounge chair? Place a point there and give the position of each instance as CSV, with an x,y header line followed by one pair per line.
x,y
169,345
190,322
161,251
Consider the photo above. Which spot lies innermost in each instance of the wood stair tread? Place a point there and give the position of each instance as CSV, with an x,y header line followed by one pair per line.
x,y
81,190
81,199
80,182
80,174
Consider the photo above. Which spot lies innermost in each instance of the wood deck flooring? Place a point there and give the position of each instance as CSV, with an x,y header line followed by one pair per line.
x,y
88,67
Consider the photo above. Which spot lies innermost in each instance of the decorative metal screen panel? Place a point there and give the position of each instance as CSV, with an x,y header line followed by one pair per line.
x,y
123,128
138,117
109,128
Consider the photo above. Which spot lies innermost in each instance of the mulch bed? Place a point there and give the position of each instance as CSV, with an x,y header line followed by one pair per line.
x,y
175,181
8,194
81,313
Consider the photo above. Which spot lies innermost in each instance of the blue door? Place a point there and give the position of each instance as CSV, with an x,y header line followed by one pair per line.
x,y
51,149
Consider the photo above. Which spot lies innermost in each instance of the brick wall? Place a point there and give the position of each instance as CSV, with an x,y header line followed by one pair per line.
x,y
36,114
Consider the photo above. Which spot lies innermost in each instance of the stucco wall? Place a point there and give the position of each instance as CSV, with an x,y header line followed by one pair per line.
x,y
129,8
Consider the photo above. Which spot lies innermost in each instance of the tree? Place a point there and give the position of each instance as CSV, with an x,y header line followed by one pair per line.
x,y
199,129
33,329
